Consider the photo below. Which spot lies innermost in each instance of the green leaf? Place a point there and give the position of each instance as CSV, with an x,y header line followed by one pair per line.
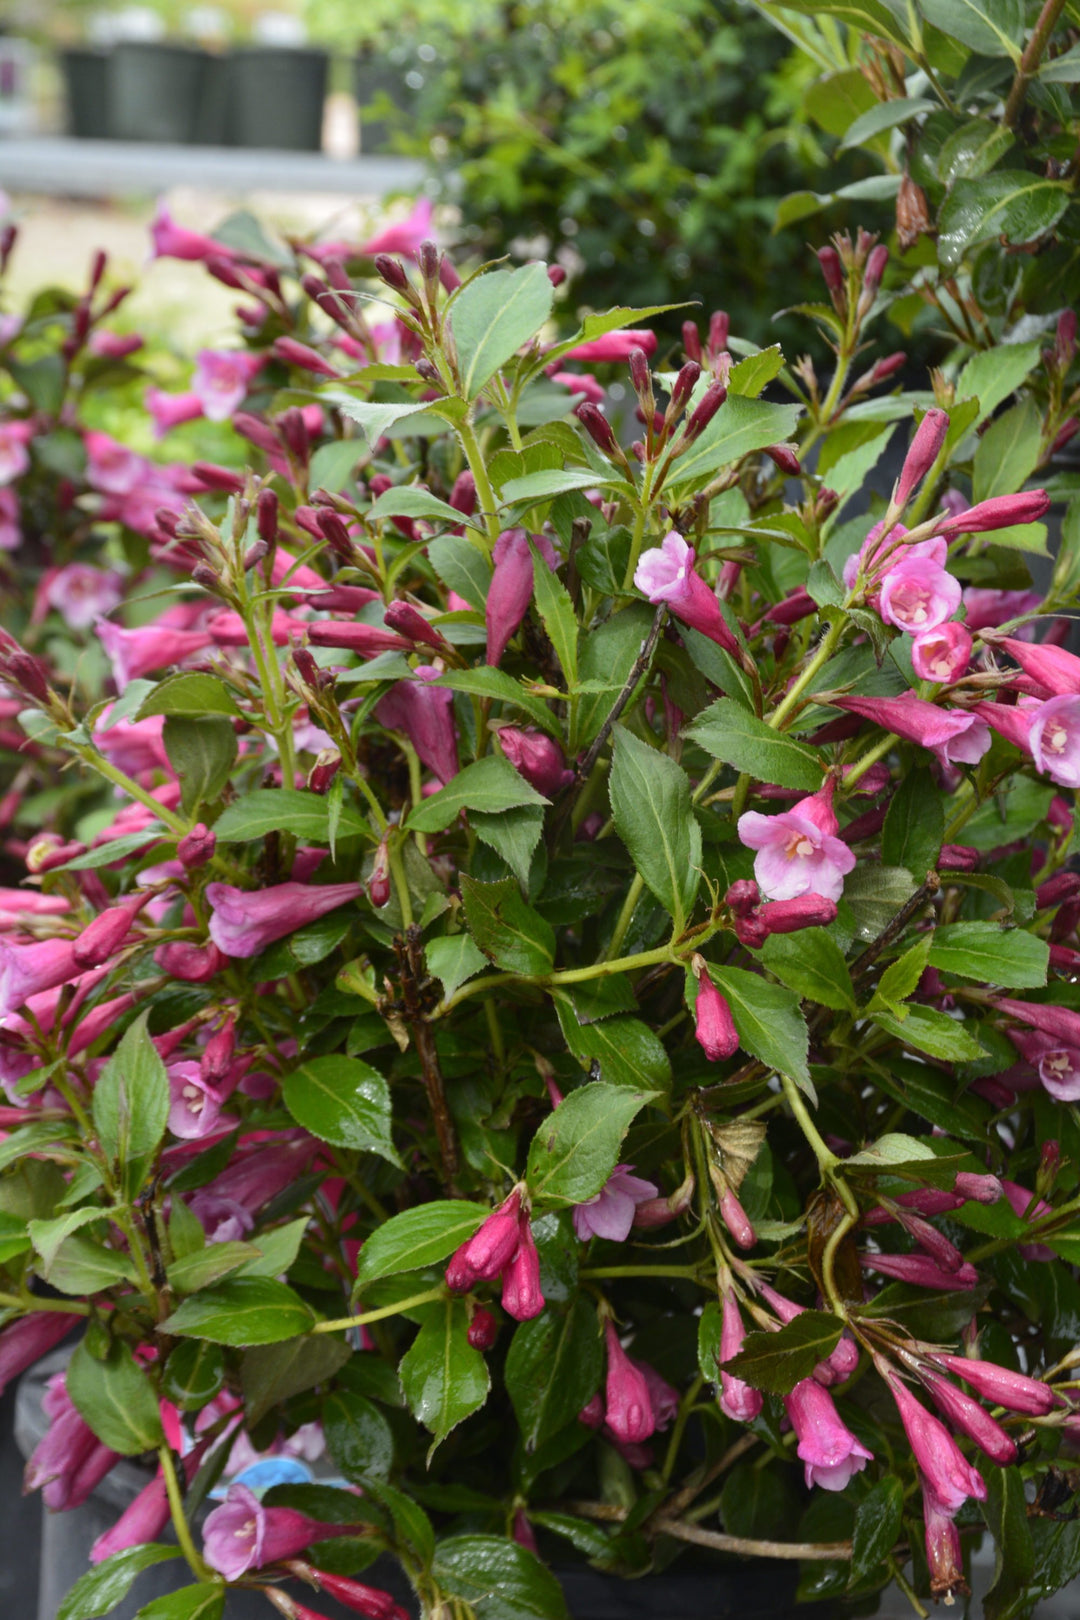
x,y
377,419
208,1265
333,464
491,784
991,27
553,1368
576,1149
34,1138
507,929
82,1267
875,895
608,320
531,488
513,834
290,810
1063,69
417,1238
485,682
552,602
206,1601
406,500
731,733
189,695
359,1438
627,1051
114,849
442,1377
932,1032
989,954
739,427
878,1520
812,964
1005,1511
608,654
710,1324
1011,203
48,1235
242,1311
767,1017
344,1101
453,959
194,1374
105,1587
776,1362
498,1579
493,317
934,1097
277,1248
914,825
650,801
993,374
272,1373
116,1398
202,753
863,16
884,116
462,567
131,1106
900,979
1008,452
755,372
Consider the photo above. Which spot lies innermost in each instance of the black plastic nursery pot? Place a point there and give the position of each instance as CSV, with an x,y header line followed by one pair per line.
x,y
155,91
375,79
85,74
705,1590
276,97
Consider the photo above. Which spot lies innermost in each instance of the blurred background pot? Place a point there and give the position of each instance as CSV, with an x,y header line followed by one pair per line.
x,y
85,72
276,97
155,91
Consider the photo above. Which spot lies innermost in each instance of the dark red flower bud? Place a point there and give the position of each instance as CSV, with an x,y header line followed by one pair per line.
x,y
452,281
294,353
684,386
254,554
428,260
429,371
785,458
463,494
706,408
832,270
719,327
102,938
640,375
483,1329
875,269
714,1026
217,1054
1064,885
294,431
742,896
789,916
598,427
378,886
322,773
957,858
691,339
556,274
211,476
197,847
392,271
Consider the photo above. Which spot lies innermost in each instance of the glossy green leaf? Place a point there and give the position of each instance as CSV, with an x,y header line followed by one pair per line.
x,y
493,317
443,1378
344,1101
767,1017
933,1032
418,1237
116,1398
654,817
272,1373
241,1311
731,733
490,784
878,1520
552,601
812,964
885,116
194,1374
104,1587
407,500
291,810
192,694
358,1436
577,1147
498,1579
739,427
1013,203
202,752
914,825
506,928
206,1601
486,682
131,1106
553,1368
776,1362
991,27
454,959
990,954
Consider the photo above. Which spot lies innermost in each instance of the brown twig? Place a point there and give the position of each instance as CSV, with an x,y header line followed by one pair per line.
x,y
748,1546
640,665
413,972
923,893
1029,62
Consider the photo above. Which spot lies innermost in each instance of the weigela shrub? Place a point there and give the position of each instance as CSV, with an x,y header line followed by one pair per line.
x,y
538,976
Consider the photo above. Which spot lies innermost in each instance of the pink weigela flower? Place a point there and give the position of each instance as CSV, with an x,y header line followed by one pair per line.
x,y
798,850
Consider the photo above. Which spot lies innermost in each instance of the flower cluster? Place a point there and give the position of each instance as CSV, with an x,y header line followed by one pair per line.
x,y
519,939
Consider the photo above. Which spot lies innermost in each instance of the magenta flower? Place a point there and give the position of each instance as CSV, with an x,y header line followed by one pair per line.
x,y
173,241
1029,1208
944,1556
942,654
511,587
80,593
191,964
917,595
798,850
114,345
667,574
610,1214
537,757
111,467
628,1408
947,1471
241,1534
221,379
10,528
29,1338
134,653
14,455
1009,721
245,923
69,1461
170,410
1001,1385
613,346
921,1270
1052,667
928,440
403,236
827,1446
1059,1071
425,713
985,607
521,1294
789,916
368,1601
968,1416
142,1521
1000,512
953,736
27,970
736,1219
100,940
714,1026
1055,739
738,1400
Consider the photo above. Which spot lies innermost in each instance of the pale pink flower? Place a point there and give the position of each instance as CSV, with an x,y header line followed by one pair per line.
x,y
952,735
111,467
1055,739
798,850
667,573
610,1214
195,1109
827,1447
80,593
942,654
917,595
221,379
241,1534
14,455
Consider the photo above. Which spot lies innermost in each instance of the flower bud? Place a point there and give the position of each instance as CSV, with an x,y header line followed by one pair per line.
x,y
957,858
44,854
641,377
704,411
428,260
999,512
628,1409
1001,1385
537,757
833,272
463,494
217,1054
211,476
888,367
103,937
970,1418
691,338
490,1249
928,440
598,428
428,370
322,773
980,1189
378,884
784,457
738,1400
751,931
197,847
1064,885
191,964
654,1212
392,271
875,269
789,916
294,431
408,621
556,274
521,1295
294,353
483,1329
719,327
742,896
736,1220
714,1026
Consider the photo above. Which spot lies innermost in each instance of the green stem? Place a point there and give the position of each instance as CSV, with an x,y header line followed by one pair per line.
x,y
341,1323
401,882
690,1273
638,537
861,766
826,1158
626,915
484,492
35,1302
799,685
107,769
683,1417
198,1567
